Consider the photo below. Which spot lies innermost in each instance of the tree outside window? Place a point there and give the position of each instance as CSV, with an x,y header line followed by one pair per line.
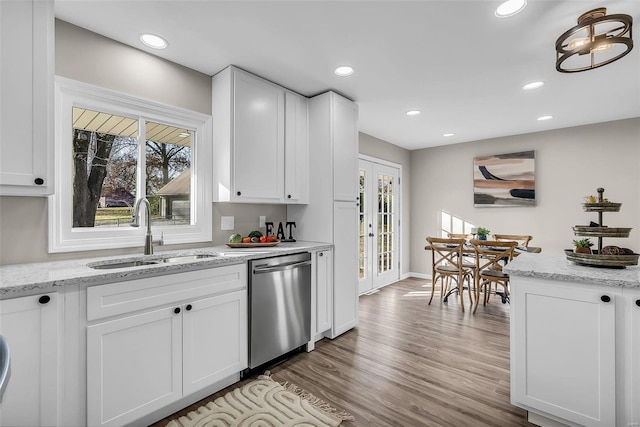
x,y
106,164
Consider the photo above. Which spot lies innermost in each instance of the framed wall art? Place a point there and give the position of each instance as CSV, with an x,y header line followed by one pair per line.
x,y
504,180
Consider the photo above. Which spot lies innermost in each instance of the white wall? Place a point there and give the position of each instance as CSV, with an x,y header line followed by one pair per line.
x,y
95,59
570,164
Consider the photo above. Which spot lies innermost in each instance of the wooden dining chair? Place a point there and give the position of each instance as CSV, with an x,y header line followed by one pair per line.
x,y
521,239
466,263
490,258
460,236
447,266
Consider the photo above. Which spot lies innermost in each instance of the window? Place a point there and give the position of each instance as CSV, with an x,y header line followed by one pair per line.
x,y
453,224
113,149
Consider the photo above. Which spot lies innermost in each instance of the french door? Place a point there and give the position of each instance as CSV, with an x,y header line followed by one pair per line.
x,y
379,227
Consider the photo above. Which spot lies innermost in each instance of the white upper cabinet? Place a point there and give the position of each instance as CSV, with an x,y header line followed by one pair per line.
x,y
296,155
26,101
259,133
344,120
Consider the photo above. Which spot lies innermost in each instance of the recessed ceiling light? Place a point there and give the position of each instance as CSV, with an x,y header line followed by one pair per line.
x,y
448,134
344,71
153,41
510,8
413,112
542,118
532,85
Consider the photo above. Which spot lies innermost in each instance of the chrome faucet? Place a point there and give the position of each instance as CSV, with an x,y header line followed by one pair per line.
x,y
148,239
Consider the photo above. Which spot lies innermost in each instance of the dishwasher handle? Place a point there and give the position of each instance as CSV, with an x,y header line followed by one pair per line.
x,y
280,267
5,365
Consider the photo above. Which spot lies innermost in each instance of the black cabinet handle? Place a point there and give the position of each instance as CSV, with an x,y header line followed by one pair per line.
x,y
189,307
321,254
638,302
176,310
39,181
239,193
605,298
44,299
288,196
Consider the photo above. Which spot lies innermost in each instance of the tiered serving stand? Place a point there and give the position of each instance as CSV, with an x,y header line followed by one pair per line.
x,y
596,258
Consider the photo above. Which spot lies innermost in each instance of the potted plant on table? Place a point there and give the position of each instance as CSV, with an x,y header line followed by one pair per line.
x,y
583,246
482,233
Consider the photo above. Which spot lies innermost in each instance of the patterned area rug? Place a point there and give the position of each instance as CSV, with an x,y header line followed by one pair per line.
x,y
265,403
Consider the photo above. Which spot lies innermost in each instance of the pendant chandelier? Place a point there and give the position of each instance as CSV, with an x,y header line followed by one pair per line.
x,y
597,40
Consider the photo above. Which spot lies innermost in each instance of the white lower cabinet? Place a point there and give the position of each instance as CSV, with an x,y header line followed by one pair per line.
x,y
575,352
134,366
345,286
30,326
142,361
629,378
214,339
324,291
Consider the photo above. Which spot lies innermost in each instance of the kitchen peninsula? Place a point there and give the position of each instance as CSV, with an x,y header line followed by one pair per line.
x,y
575,342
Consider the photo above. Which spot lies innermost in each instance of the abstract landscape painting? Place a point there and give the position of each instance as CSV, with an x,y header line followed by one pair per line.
x,y
504,180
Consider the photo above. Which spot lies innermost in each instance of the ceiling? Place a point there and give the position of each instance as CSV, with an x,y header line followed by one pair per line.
x,y
453,60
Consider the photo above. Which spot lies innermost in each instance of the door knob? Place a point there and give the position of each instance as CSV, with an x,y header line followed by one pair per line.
x,y
188,307
605,298
638,302
176,310
370,234
44,299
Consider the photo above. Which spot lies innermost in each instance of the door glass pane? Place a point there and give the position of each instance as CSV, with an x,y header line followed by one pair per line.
x,y
168,172
364,228
104,168
385,223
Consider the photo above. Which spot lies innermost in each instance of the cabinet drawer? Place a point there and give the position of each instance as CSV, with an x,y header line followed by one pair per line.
x,y
125,297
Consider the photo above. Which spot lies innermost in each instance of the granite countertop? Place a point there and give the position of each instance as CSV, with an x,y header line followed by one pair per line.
x,y
557,267
28,279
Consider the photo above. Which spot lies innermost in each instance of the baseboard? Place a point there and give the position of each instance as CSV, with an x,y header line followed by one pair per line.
x,y
416,275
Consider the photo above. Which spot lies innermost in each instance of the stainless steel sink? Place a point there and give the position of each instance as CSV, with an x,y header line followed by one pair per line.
x,y
242,253
147,261
123,264
181,258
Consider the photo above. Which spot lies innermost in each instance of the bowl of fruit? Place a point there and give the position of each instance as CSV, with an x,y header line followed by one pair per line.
x,y
252,240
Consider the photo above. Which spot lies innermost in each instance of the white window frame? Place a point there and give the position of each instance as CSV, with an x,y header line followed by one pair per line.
x,y
62,236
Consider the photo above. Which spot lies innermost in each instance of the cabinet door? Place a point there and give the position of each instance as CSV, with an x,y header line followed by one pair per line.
x,y
215,339
630,374
30,327
563,350
324,290
258,140
296,156
345,149
26,110
345,285
134,366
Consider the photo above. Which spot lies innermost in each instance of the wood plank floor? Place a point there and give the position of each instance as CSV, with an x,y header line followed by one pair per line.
x,y
411,364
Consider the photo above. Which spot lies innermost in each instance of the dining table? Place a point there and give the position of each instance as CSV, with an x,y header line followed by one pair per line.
x,y
469,250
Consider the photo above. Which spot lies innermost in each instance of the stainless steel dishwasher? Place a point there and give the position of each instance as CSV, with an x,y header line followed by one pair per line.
x,y
279,306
